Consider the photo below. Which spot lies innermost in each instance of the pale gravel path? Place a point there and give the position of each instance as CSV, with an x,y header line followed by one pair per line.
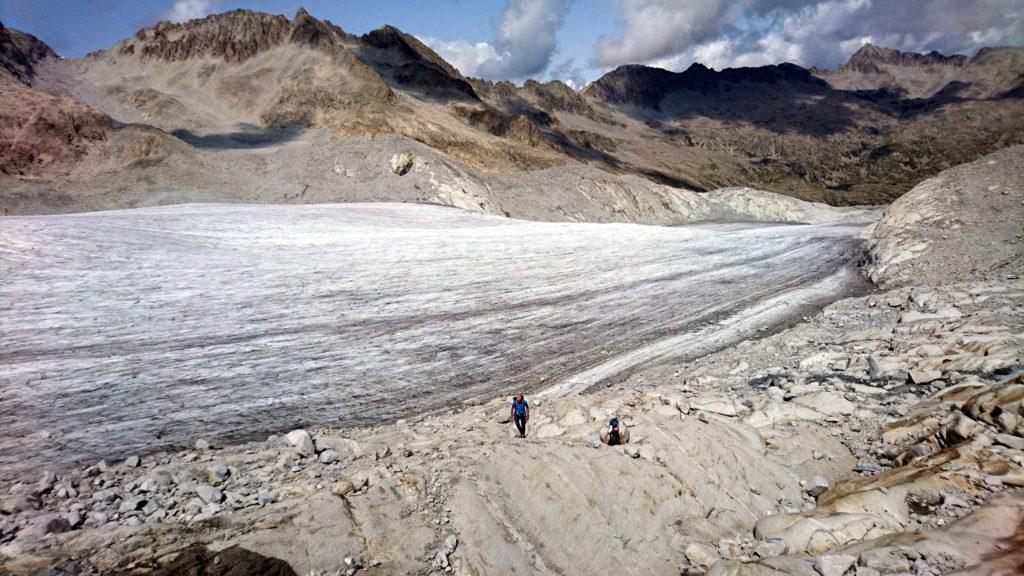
x,y
135,330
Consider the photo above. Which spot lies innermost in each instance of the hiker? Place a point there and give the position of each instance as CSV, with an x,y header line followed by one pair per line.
x,y
520,414
614,434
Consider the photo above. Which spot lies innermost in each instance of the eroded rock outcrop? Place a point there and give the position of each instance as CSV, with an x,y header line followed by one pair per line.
x,y
964,223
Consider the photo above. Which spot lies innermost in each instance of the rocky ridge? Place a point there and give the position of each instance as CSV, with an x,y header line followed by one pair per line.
x,y
965,222
219,86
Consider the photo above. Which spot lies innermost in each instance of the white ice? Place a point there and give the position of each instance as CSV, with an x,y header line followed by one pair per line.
x,y
135,330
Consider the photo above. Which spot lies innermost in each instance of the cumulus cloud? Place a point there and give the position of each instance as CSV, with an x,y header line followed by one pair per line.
x,y
723,33
189,10
523,45
567,71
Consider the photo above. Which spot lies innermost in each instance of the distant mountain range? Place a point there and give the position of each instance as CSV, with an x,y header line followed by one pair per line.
x,y
863,133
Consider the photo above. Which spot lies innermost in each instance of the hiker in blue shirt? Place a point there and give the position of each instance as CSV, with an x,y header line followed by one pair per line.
x,y
520,414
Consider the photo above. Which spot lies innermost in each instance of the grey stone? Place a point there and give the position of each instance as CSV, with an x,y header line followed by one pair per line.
x,y
209,494
132,504
886,560
15,504
631,451
150,507
701,554
46,483
217,472
816,486
156,480
48,523
285,462
329,456
133,461
771,548
834,564
1010,441
302,442
268,497
74,518
401,163
450,543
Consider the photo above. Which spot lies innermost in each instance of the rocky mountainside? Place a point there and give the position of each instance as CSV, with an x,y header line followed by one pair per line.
x,y
20,52
40,131
867,131
907,74
978,206
227,92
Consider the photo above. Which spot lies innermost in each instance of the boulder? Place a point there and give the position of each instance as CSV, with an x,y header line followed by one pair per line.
x,y
328,456
47,523
156,480
1010,441
401,163
701,554
132,504
15,504
217,472
887,560
816,486
774,547
924,376
209,494
834,564
827,403
302,442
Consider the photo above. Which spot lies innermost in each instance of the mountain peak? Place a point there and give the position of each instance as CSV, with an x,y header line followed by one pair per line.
x,y
870,59
233,36
19,53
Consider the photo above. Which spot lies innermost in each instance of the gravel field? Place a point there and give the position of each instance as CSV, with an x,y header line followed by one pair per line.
x,y
144,329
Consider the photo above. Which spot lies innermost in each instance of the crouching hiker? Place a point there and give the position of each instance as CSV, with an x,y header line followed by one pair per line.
x,y
520,414
615,433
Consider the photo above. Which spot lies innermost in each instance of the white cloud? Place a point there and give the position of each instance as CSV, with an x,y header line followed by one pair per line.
x,y
655,29
567,71
189,10
727,33
523,45
466,57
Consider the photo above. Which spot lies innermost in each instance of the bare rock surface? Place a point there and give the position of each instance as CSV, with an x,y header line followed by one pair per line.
x,y
967,222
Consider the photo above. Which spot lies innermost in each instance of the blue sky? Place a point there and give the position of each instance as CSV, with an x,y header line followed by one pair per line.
x,y
578,40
